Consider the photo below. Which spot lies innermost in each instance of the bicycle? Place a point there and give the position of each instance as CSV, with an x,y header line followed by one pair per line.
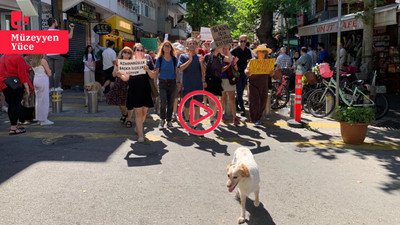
x,y
350,94
280,93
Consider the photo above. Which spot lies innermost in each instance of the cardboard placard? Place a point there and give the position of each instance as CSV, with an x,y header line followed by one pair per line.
x,y
221,35
195,34
149,43
261,66
205,33
132,67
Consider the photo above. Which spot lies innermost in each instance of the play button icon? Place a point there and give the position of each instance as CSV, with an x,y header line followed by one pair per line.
x,y
193,105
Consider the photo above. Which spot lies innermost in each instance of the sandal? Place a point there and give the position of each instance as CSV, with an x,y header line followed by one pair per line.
x,y
17,131
123,118
128,124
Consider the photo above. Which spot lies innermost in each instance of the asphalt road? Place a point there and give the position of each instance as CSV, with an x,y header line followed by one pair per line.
x,y
88,169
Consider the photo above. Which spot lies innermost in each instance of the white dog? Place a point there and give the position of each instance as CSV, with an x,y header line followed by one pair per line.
x,y
243,172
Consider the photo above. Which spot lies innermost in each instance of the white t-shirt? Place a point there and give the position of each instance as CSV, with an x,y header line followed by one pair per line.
x,y
90,61
109,55
53,54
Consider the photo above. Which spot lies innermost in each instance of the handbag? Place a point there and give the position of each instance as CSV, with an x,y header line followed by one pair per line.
x,y
11,82
154,92
276,74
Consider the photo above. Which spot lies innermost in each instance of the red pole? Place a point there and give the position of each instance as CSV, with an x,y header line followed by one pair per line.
x,y
297,99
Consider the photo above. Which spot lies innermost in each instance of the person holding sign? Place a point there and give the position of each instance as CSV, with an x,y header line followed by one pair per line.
x,y
117,94
213,65
139,91
258,87
169,80
229,84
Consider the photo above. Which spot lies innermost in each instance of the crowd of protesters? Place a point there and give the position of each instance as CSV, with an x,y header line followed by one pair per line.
x,y
172,72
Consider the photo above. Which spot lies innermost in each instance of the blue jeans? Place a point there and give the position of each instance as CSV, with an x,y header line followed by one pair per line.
x,y
239,91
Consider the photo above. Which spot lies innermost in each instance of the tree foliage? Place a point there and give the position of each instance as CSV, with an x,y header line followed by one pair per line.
x,y
248,17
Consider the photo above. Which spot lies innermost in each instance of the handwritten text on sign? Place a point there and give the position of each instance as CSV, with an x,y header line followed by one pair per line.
x,y
221,35
205,33
261,66
132,67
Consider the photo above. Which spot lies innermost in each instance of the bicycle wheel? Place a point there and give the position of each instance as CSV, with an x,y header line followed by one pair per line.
x,y
318,105
280,100
381,106
307,90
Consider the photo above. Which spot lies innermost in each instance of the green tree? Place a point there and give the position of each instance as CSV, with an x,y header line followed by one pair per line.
x,y
205,13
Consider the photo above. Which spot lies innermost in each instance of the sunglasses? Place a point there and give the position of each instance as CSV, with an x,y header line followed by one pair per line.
x,y
192,43
126,52
168,46
241,41
139,50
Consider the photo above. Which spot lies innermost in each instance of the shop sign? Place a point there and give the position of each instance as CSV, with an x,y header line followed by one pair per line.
x,y
102,29
84,11
354,24
45,18
300,20
77,21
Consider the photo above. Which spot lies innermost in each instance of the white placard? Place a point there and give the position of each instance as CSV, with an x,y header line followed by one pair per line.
x,y
205,33
132,67
166,37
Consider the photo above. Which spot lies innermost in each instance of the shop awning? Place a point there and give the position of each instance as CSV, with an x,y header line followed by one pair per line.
x,y
384,16
119,34
127,36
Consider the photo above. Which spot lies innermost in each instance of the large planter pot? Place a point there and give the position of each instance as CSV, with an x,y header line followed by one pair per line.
x,y
353,134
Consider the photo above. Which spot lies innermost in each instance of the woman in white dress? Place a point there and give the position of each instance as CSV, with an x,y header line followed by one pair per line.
x,y
90,65
41,85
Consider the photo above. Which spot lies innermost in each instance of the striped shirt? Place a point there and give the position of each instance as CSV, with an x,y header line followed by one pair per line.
x,y
283,61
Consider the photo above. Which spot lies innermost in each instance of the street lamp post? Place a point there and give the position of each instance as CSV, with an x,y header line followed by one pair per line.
x,y
339,24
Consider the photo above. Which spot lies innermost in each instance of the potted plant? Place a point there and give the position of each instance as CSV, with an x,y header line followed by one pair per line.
x,y
353,123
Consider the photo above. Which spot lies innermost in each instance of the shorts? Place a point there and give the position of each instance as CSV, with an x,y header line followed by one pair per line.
x,y
108,74
227,86
198,98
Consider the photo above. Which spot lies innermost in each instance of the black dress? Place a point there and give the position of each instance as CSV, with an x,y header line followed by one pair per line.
x,y
139,90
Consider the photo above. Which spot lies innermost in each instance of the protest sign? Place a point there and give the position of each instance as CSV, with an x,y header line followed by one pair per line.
x,y
205,33
166,37
221,35
132,67
149,43
195,34
261,66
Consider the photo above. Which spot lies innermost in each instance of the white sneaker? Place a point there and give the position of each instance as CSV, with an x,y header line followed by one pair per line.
x,y
46,123
140,139
4,108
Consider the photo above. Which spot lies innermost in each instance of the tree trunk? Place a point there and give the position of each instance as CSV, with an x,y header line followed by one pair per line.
x,y
264,31
368,33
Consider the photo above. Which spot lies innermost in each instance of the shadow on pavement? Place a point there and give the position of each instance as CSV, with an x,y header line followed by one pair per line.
x,y
258,215
144,155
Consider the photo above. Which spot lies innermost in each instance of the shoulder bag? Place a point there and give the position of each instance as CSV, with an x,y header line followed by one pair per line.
x,y
11,82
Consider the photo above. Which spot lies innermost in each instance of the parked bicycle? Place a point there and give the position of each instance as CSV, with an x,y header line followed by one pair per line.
x,y
280,92
321,102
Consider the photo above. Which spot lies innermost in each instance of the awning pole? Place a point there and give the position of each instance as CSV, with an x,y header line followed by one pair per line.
x,y
338,51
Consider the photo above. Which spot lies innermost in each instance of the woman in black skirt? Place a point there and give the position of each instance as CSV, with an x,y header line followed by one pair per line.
x,y
139,91
213,66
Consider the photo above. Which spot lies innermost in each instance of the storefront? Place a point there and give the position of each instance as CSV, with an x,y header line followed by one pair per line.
x,y
121,34
386,40
81,15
